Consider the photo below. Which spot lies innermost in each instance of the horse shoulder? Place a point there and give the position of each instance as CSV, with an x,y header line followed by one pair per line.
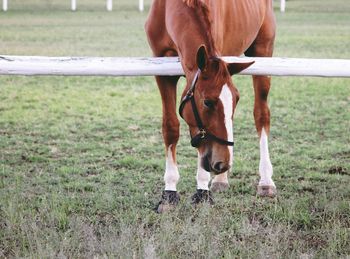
x,y
157,34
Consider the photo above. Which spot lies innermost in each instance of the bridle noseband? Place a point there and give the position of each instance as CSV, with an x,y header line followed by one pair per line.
x,y
202,132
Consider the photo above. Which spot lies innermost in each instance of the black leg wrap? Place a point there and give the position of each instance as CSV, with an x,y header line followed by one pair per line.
x,y
202,196
169,200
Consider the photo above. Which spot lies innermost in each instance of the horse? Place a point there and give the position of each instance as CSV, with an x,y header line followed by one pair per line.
x,y
199,32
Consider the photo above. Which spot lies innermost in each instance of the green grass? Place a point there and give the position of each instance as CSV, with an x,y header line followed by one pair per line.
x,y
82,159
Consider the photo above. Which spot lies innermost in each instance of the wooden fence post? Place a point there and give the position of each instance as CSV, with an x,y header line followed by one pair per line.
x,y
74,5
141,5
4,5
109,5
283,6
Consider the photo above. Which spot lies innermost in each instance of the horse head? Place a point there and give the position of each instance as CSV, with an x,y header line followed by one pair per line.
x,y
208,104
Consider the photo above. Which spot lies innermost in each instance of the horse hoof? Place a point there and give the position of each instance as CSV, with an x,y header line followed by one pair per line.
x,y
219,186
202,196
168,202
267,191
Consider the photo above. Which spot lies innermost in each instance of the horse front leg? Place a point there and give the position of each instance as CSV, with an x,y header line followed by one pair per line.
x,y
220,183
263,47
266,186
203,194
170,130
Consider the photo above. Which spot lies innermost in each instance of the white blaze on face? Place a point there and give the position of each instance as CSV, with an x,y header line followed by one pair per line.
x,y
171,176
226,99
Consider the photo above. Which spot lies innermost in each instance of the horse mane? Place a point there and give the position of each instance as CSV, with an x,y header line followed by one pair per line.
x,y
203,14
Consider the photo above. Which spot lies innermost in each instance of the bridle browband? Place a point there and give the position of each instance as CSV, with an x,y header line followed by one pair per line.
x,y
202,132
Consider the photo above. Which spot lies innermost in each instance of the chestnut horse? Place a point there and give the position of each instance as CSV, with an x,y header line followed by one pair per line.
x,y
199,32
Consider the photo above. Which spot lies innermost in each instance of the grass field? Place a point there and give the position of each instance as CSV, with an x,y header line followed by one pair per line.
x,y
81,158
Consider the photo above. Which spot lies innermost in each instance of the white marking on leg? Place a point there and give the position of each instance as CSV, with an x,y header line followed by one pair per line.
x,y
226,99
171,176
265,166
203,176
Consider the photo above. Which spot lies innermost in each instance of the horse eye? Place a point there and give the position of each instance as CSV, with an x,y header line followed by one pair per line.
x,y
209,104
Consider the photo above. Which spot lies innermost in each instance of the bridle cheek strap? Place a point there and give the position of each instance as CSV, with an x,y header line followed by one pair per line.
x,y
202,132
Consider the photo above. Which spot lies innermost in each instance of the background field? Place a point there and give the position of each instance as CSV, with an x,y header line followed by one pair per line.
x,y
81,159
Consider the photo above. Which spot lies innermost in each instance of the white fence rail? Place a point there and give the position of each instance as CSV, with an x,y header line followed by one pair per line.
x,y
109,5
109,66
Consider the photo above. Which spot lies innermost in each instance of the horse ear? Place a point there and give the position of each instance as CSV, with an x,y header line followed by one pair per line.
x,y
235,68
202,58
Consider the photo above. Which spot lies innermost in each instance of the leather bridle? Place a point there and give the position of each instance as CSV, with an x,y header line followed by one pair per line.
x,y
202,132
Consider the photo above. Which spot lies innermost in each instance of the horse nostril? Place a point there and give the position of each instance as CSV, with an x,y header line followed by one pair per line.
x,y
220,167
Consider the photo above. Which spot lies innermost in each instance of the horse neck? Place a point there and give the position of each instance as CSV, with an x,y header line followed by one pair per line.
x,y
188,54
189,36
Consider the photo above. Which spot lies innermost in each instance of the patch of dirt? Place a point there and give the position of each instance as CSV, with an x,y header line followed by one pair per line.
x,y
25,158
307,189
91,172
315,241
344,154
338,170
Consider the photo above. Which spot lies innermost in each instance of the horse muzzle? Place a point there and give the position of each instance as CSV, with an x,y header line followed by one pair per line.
x,y
216,167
